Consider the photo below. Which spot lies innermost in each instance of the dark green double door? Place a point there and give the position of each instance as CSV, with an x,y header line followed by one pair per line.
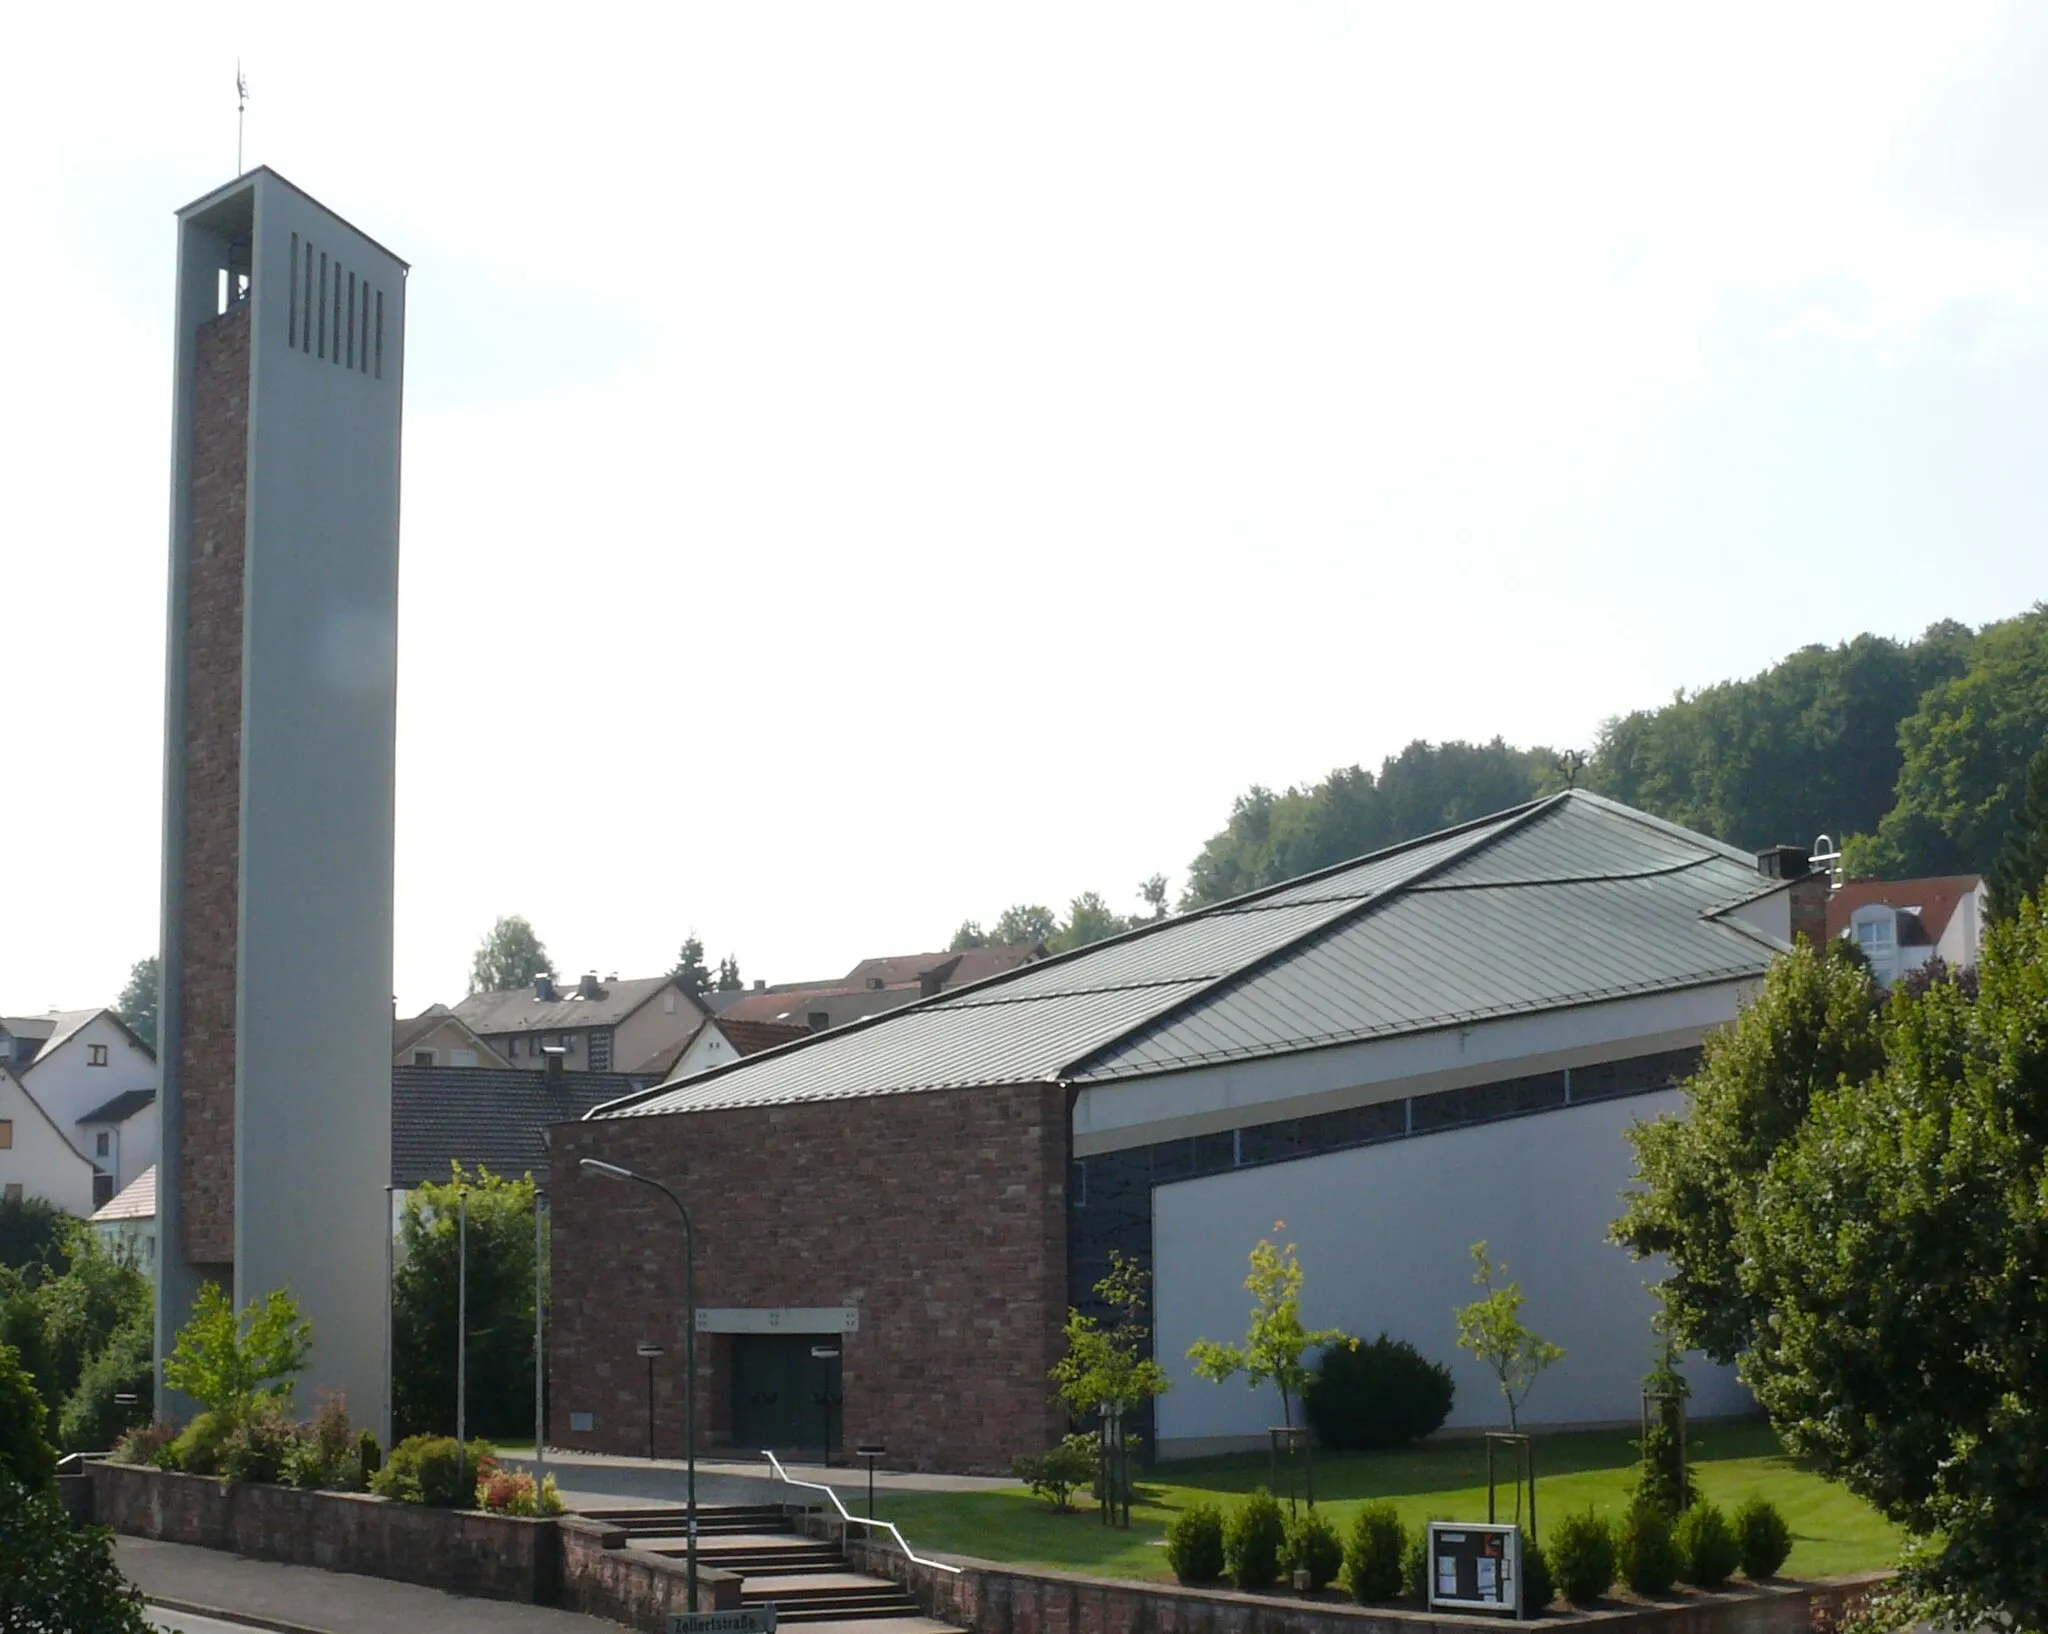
x,y
786,1392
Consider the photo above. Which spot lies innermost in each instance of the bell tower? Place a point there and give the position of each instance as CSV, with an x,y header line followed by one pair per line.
x,y
274,1043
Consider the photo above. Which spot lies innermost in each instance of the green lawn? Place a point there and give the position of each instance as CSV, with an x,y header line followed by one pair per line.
x,y
1835,1532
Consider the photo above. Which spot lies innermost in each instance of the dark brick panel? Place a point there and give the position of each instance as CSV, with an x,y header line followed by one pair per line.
x,y
942,1215
213,787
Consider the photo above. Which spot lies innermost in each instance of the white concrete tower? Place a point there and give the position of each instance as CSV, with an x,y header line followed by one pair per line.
x,y
275,1017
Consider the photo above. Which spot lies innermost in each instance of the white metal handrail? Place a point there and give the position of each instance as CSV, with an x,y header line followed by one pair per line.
x,y
783,1475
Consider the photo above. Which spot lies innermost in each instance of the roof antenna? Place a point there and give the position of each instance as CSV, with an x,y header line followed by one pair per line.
x,y
241,111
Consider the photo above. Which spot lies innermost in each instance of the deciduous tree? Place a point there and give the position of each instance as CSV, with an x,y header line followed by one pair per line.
x,y
1491,1327
1816,1023
224,1361
510,956
137,1003
2022,867
501,1294
1276,1345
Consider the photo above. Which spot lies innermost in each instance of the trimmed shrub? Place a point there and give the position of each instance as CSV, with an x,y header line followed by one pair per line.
x,y
1539,1588
1644,1551
147,1444
1055,1475
369,1453
325,1454
1254,1533
431,1469
1582,1556
514,1492
1707,1551
1194,1543
1415,1564
1762,1539
1373,1554
1312,1547
1382,1394
256,1448
198,1447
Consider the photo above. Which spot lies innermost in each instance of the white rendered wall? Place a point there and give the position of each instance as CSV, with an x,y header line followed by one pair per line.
x,y
69,1086
320,634
39,1159
1386,1233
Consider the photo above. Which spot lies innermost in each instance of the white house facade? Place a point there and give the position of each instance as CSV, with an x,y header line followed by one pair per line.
x,y
98,1082
36,1158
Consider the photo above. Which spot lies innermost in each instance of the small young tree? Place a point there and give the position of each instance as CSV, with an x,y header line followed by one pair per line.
x,y
1492,1328
1275,1344
1106,1369
224,1362
1109,1364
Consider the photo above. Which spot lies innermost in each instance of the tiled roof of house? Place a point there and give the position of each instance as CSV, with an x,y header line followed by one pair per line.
x,y
746,1038
134,1201
1565,901
406,1030
485,1115
122,1107
1931,901
494,1015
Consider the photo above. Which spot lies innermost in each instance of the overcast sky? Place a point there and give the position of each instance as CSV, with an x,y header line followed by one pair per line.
x,y
868,465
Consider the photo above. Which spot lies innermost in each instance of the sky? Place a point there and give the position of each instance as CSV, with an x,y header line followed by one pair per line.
x,y
868,465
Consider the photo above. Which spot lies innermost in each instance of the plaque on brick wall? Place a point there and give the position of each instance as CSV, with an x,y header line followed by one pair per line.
x,y
779,1319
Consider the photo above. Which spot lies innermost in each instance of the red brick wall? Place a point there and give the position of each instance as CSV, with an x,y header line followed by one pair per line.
x,y
213,787
942,1215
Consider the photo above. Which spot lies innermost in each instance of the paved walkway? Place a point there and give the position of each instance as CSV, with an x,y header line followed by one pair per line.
x,y
599,1478
307,1600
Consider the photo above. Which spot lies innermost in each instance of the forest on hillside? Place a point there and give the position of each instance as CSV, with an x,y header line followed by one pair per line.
x,y
1912,755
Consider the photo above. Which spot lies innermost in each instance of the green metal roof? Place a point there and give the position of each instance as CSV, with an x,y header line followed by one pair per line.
x,y
1565,901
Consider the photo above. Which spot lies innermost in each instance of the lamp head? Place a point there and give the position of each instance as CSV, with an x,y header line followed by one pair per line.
x,y
611,1169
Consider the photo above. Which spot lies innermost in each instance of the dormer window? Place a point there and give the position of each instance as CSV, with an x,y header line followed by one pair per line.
x,y
1874,935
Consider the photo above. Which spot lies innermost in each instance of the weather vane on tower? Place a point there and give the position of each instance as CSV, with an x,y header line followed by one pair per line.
x,y
241,111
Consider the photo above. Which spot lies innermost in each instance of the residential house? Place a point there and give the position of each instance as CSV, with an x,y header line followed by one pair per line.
x,y
127,1223
97,1080
871,987
22,1036
719,1041
492,1117
1902,924
37,1158
594,1025
438,1037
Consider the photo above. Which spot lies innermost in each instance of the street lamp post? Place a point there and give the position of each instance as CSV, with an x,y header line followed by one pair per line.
x,y
689,1346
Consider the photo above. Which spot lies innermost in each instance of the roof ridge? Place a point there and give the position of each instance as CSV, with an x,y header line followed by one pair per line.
x,y
1508,823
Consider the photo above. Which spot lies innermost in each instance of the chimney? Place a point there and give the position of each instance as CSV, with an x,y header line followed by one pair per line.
x,y
1783,862
760,984
587,988
544,989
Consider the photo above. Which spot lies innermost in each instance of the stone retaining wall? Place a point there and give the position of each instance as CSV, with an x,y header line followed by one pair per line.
x,y
997,1599
601,1577
496,1557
